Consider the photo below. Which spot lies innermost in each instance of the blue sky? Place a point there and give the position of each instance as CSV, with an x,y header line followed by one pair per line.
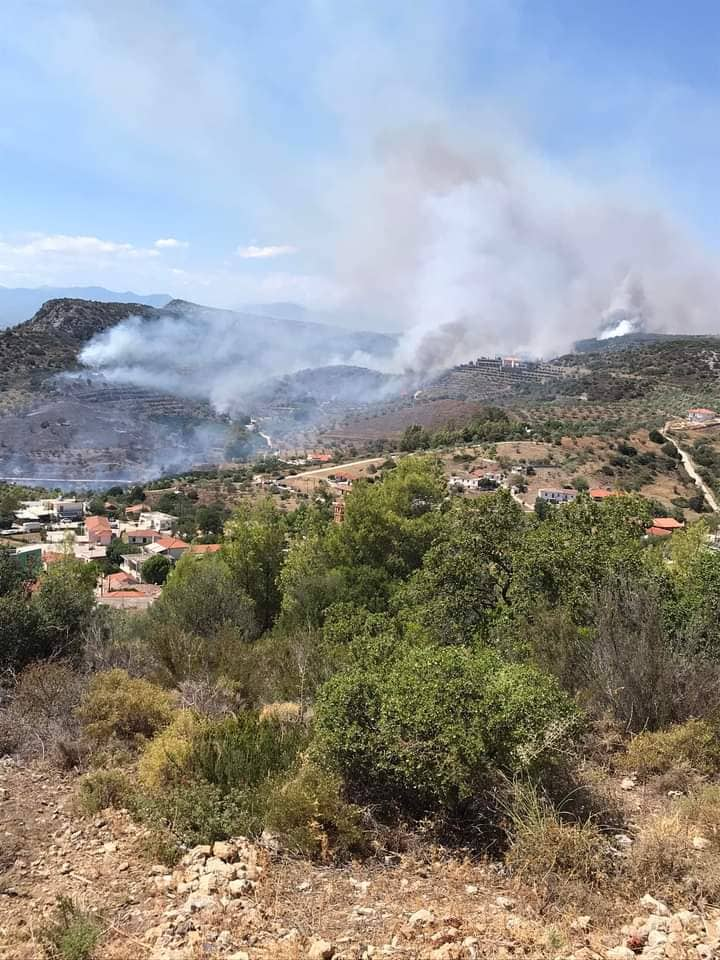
x,y
255,136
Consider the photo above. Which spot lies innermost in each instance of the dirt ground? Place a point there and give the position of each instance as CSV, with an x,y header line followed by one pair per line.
x,y
422,904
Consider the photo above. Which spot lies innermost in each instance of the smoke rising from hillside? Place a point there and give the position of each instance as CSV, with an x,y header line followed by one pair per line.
x,y
481,248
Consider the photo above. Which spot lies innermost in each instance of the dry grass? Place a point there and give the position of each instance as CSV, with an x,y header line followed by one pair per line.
x,y
684,747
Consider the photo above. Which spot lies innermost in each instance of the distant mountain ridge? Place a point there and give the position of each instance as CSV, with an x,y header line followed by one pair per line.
x,y
20,303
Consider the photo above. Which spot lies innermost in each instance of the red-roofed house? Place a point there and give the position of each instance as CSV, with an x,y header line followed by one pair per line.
x,y
200,549
600,494
701,415
664,526
170,547
98,530
319,457
139,538
136,509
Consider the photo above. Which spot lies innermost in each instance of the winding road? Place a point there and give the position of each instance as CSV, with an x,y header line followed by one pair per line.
x,y
691,469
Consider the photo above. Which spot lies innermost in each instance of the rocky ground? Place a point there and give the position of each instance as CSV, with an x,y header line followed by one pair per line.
x,y
242,901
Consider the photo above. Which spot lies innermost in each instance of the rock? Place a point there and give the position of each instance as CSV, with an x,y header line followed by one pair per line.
x,y
420,917
208,883
700,843
225,850
689,921
237,888
471,889
239,955
506,903
198,901
110,847
320,950
581,923
656,937
628,783
654,906
620,953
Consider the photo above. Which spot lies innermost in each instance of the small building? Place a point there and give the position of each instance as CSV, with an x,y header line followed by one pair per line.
x,y
98,530
203,549
157,520
135,510
600,493
701,415
339,511
319,457
69,509
86,552
140,538
170,547
557,496
664,527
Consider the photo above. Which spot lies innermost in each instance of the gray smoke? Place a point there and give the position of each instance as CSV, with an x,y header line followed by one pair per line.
x,y
479,248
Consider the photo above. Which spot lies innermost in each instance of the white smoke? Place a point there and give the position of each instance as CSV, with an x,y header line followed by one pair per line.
x,y
629,310
479,248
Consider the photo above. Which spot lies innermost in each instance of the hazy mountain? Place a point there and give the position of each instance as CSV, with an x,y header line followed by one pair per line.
x,y
20,303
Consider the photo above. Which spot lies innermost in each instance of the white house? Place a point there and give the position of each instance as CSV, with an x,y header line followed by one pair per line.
x,y
157,520
557,496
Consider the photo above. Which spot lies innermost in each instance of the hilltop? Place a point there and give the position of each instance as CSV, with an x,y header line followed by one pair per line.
x,y
18,304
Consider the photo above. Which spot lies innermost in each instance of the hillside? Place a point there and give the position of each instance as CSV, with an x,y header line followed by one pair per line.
x,y
59,418
18,304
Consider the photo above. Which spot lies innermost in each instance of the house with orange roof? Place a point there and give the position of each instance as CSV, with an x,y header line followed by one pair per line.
x,y
141,537
98,530
599,494
701,415
203,549
664,527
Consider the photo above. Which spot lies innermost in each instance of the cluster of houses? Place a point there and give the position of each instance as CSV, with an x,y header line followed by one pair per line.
x,y
69,531
660,527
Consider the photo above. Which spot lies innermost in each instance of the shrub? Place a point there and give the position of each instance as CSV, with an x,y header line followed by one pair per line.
x,y
282,711
165,760
314,819
73,934
205,779
428,730
118,706
41,715
101,789
694,743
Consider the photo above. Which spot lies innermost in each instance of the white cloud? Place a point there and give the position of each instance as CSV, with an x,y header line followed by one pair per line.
x,y
64,244
168,243
263,253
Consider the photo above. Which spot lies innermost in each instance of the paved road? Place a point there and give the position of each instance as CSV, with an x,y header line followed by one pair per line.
x,y
334,467
692,470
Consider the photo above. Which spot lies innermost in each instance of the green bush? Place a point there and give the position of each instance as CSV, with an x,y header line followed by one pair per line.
x,y
430,729
205,779
120,707
313,818
73,933
101,789
694,743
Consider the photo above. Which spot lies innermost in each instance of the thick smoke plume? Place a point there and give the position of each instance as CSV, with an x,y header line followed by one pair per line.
x,y
480,248
473,247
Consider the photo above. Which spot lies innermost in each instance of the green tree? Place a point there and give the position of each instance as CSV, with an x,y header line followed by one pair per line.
x,y
566,556
201,596
254,551
64,602
466,575
429,730
156,569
